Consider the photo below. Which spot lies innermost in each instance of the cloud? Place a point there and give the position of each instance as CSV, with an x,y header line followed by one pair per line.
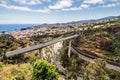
x,y
110,5
114,0
72,9
61,4
31,2
46,10
3,2
93,1
12,7
28,2
84,5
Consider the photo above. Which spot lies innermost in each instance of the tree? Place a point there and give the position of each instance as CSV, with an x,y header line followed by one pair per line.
x,y
96,71
43,70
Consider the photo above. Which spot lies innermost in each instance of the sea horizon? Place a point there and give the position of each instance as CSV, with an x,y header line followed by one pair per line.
x,y
14,27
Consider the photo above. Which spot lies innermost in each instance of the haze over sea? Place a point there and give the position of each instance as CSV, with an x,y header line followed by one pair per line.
x,y
13,27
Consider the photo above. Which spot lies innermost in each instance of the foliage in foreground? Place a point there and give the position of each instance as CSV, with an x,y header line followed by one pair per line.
x,y
99,71
16,72
42,70
88,71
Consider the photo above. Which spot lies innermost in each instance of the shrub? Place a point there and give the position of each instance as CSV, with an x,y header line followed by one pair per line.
x,y
14,71
42,70
117,36
1,66
18,78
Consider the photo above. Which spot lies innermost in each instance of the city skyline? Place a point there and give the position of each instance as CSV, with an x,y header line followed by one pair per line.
x,y
55,11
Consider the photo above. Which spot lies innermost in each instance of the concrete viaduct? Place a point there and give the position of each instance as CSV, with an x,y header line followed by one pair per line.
x,y
40,46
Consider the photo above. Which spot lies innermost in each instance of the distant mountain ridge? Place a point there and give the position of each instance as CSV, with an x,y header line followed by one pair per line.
x,y
109,17
101,19
77,22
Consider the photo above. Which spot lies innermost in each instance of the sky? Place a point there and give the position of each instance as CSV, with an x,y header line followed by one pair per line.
x,y
55,11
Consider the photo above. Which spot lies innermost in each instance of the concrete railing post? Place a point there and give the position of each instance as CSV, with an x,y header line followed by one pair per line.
x,y
69,48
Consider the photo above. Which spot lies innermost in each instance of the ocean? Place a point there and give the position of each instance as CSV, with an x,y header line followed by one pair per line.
x,y
13,27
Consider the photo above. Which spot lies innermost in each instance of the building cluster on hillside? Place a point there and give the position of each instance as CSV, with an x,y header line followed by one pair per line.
x,y
28,32
51,29
35,31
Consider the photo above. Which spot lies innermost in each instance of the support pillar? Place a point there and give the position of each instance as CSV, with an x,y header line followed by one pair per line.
x,y
69,48
40,54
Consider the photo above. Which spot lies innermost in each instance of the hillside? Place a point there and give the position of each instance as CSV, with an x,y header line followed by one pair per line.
x,y
101,41
78,23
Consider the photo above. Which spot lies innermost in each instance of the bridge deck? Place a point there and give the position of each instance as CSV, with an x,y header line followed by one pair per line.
x,y
28,49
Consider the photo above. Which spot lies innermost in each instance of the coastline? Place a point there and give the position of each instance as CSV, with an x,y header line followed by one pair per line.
x,y
6,28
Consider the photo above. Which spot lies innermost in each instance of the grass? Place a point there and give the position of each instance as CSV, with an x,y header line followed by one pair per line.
x,y
111,54
56,38
16,72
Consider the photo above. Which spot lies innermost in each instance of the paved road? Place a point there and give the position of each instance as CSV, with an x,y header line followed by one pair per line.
x,y
28,49
92,60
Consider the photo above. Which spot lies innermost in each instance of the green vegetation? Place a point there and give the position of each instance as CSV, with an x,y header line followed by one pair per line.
x,y
73,65
100,39
99,71
16,72
115,33
42,70
88,71
1,66
117,41
9,43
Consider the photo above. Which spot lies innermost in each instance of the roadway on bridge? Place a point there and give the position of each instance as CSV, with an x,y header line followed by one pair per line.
x,y
31,48
28,49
